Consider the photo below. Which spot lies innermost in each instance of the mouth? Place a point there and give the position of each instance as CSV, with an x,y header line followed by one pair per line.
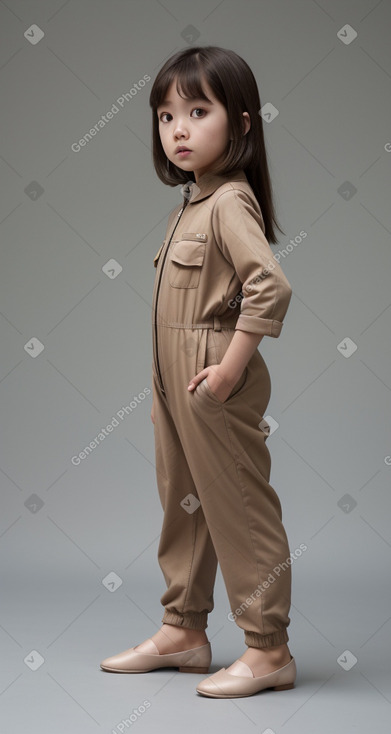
x,y
182,150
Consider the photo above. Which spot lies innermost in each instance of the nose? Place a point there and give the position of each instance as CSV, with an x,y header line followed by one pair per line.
x,y
180,129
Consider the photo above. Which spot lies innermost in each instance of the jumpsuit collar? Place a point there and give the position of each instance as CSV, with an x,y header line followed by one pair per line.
x,y
209,182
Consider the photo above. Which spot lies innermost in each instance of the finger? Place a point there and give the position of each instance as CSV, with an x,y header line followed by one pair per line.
x,y
196,380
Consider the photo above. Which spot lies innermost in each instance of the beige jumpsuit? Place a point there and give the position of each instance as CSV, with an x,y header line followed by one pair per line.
x,y
215,272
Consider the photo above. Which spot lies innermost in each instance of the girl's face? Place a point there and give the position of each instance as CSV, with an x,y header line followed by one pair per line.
x,y
201,127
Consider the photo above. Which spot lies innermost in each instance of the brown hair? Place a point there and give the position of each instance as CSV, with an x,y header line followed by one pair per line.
x,y
234,85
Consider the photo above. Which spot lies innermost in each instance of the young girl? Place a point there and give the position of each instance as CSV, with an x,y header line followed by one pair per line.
x,y
218,291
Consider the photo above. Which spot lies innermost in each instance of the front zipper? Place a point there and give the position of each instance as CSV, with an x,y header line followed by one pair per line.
x,y
157,366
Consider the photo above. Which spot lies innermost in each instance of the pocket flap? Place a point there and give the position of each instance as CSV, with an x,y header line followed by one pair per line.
x,y
188,252
156,258
197,236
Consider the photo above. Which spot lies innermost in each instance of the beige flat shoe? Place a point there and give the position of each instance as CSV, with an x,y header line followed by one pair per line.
x,y
195,660
226,685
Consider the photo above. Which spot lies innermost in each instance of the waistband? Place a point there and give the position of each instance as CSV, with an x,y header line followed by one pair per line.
x,y
214,323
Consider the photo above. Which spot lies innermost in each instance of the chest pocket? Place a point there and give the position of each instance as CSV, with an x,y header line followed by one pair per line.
x,y
186,260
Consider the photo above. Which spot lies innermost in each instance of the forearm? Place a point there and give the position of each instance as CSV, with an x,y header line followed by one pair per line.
x,y
238,354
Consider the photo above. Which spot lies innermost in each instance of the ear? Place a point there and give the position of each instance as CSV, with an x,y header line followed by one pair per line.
x,y
247,122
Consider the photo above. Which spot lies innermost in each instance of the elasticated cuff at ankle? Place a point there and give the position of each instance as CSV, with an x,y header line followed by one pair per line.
x,y
254,639
191,620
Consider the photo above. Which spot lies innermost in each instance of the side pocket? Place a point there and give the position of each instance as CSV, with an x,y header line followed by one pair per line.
x,y
234,392
201,351
239,385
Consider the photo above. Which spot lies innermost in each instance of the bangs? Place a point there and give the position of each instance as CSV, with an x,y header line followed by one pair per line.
x,y
188,75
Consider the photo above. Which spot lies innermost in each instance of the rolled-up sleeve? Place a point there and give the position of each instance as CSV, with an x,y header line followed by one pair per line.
x,y
238,230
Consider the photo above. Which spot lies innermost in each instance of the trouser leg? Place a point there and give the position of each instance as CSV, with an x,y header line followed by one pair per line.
x,y
230,465
186,554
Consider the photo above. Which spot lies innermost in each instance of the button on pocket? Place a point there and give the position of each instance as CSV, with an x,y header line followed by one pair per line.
x,y
186,260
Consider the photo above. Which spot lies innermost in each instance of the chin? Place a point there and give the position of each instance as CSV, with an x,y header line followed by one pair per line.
x,y
185,166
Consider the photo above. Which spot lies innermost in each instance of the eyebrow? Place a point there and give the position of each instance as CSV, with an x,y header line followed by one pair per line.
x,y
168,103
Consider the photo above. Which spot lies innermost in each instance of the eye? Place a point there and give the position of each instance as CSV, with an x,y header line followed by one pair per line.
x,y
196,109
199,109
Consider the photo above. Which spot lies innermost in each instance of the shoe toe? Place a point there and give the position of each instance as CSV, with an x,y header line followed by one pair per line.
x,y
215,685
118,662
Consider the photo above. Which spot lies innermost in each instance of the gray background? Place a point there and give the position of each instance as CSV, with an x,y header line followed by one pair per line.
x,y
64,528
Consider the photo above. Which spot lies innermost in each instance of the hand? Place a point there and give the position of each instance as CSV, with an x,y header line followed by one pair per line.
x,y
217,381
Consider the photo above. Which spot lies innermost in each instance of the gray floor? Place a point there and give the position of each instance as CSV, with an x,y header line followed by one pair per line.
x,y
73,626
